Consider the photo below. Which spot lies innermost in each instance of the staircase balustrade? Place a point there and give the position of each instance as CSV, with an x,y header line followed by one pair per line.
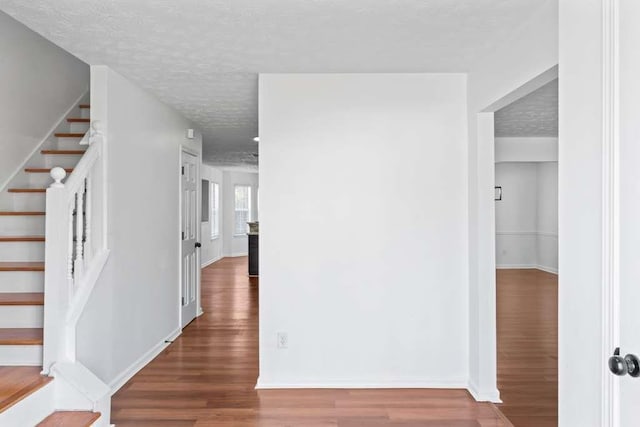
x,y
75,246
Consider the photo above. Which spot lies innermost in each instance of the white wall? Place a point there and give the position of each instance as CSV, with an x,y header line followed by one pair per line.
x,y
363,181
39,83
547,216
527,53
580,219
135,304
527,215
516,215
237,245
211,250
526,149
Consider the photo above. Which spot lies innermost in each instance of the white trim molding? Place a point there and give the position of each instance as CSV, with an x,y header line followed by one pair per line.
x,y
492,396
610,208
358,384
527,267
211,261
237,254
143,361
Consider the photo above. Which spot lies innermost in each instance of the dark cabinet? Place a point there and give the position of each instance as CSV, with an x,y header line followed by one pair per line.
x,y
253,254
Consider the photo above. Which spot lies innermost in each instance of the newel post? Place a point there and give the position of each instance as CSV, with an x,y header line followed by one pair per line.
x,y
58,253
96,132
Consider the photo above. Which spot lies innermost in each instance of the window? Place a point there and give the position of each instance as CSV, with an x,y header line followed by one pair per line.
x,y
205,200
242,208
214,201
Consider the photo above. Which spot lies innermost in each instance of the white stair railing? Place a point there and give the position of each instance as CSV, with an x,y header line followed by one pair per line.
x,y
75,247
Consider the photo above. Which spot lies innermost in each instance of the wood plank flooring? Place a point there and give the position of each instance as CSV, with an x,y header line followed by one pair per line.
x,y
207,378
527,313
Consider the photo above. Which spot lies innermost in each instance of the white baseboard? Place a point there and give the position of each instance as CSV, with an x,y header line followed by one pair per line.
x,y
527,267
516,266
443,384
211,261
238,254
492,396
143,361
548,269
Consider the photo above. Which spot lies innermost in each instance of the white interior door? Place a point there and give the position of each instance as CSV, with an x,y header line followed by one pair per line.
x,y
629,190
190,233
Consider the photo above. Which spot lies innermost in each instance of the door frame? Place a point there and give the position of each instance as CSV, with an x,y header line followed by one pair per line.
x,y
198,156
487,389
610,210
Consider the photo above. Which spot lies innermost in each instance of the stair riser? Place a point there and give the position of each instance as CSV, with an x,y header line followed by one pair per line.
x,y
85,113
22,251
28,202
21,316
20,355
21,281
63,161
69,144
22,225
39,180
78,127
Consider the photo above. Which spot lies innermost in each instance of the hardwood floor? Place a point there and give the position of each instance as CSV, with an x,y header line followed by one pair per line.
x,y
527,312
207,378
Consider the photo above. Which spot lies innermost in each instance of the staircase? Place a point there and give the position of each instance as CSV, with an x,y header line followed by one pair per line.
x,y
27,397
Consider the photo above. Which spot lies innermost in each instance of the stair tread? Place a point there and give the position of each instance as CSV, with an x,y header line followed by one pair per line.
x,y
78,120
21,298
18,382
69,135
21,238
20,336
45,170
21,213
27,190
85,106
72,152
21,266
70,419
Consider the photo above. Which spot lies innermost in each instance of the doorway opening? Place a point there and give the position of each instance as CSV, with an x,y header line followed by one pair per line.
x,y
526,251
190,236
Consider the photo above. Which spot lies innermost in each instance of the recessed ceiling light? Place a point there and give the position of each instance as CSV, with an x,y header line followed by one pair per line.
x,y
256,139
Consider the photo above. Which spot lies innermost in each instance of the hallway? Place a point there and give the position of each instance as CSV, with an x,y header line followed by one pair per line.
x,y
207,378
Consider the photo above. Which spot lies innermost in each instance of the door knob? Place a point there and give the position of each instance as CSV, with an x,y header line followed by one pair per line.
x,y
617,365
633,365
629,364
198,245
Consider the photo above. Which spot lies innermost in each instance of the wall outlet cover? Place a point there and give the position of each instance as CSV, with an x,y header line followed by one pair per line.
x,y
283,340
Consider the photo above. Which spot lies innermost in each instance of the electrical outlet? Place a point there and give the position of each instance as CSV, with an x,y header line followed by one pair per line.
x,y
283,340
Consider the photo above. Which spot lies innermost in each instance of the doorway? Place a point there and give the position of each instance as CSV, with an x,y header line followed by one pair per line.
x,y
190,234
526,253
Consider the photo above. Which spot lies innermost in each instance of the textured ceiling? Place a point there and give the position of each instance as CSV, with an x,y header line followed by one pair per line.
x,y
203,57
533,115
